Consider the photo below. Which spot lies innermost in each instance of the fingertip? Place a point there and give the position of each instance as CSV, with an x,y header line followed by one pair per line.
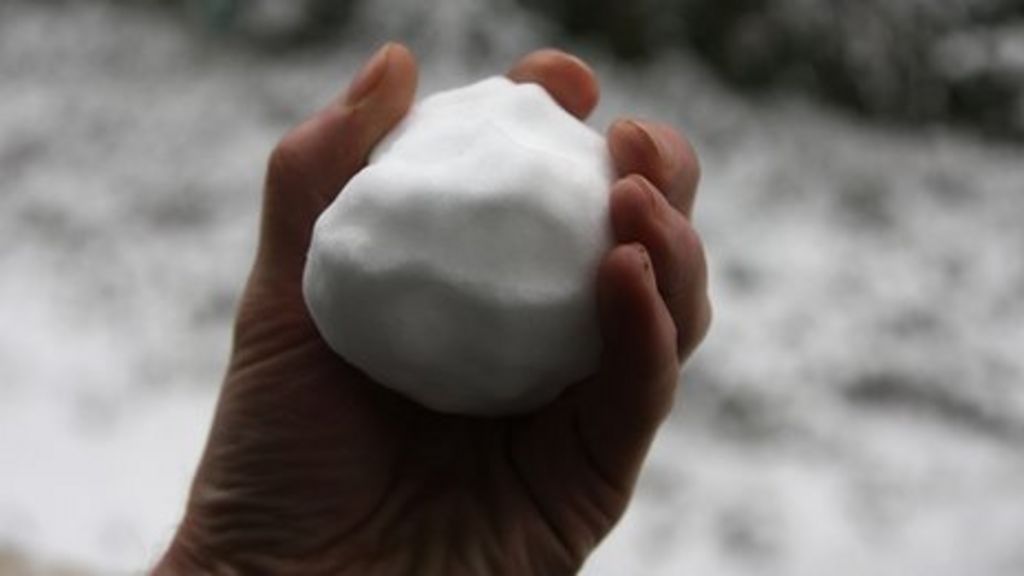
x,y
661,154
632,202
567,78
392,95
632,148
356,126
388,77
313,162
403,70
635,190
582,86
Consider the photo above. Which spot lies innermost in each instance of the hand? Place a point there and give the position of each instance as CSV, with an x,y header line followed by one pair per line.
x,y
311,468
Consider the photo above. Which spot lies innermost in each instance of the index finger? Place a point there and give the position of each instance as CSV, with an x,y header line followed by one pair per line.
x,y
659,153
565,77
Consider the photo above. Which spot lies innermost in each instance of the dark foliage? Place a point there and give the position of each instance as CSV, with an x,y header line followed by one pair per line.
x,y
266,24
916,61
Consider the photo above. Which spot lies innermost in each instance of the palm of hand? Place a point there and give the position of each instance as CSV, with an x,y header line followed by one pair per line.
x,y
312,468
368,482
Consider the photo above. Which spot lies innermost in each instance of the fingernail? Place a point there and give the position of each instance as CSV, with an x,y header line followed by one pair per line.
x,y
646,188
648,137
371,75
579,62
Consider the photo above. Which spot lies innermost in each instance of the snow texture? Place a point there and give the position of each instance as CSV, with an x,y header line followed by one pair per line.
x,y
458,267
858,407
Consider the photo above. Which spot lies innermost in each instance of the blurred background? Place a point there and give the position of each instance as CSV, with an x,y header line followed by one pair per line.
x,y
857,409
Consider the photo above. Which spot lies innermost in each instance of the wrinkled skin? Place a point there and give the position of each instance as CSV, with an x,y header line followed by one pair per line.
x,y
311,468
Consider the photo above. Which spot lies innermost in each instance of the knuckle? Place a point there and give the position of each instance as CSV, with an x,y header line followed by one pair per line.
x,y
664,237
664,143
285,162
688,242
699,324
688,264
687,173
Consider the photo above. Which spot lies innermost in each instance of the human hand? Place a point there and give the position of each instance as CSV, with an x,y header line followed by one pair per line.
x,y
311,468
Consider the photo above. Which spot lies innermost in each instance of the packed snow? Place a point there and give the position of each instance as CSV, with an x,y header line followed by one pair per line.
x,y
458,267
858,407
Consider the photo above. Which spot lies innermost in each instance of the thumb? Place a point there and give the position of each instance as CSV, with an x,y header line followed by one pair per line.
x,y
621,410
315,160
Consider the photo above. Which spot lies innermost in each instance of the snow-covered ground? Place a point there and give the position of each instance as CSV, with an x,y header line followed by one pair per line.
x,y
857,409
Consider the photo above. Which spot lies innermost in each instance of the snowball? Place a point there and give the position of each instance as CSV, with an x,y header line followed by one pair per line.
x,y
458,268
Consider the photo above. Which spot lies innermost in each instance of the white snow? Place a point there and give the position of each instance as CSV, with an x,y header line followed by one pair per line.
x,y
458,267
858,407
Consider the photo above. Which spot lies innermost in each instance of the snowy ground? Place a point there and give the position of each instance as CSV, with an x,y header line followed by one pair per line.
x,y
858,408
